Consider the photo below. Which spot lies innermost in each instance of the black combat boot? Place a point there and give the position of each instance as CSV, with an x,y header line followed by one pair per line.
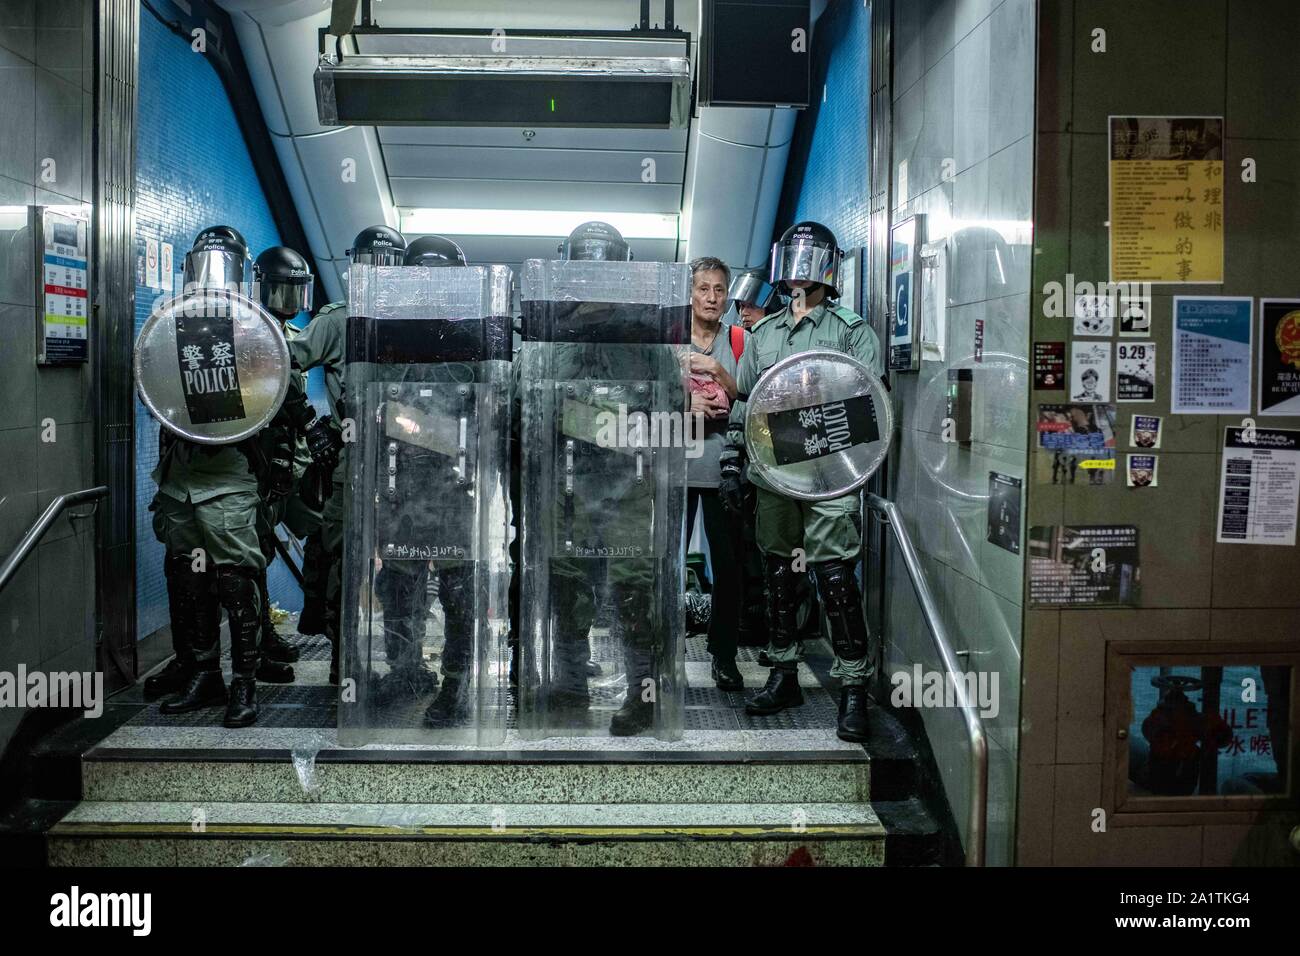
x,y
837,586
241,710
239,593
727,675
781,582
274,647
205,688
853,725
191,607
637,713
780,691
452,705
315,574
273,672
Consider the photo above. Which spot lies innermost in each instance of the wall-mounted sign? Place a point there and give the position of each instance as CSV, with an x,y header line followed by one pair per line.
x,y
1279,356
1004,512
1166,199
62,236
1211,367
905,240
1259,486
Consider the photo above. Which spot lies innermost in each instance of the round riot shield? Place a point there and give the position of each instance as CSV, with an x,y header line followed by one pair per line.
x,y
818,424
212,366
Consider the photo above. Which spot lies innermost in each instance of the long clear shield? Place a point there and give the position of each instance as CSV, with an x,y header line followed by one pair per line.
x,y
426,574
603,487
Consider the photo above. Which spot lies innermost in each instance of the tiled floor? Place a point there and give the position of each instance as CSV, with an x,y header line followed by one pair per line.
x,y
303,715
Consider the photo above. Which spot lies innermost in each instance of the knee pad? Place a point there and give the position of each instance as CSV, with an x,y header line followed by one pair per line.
x,y
781,581
842,600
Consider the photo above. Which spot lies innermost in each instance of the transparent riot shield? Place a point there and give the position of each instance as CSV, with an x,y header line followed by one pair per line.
x,y
603,492
425,573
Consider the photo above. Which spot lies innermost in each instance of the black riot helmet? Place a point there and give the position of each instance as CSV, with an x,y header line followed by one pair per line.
x,y
434,251
283,282
595,241
219,259
806,251
377,246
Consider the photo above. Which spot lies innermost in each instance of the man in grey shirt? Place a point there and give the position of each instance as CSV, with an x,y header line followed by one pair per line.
x,y
715,350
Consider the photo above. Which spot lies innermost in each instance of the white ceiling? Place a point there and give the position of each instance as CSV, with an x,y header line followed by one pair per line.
x,y
723,174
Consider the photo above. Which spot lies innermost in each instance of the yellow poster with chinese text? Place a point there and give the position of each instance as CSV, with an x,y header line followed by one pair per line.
x,y
1166,199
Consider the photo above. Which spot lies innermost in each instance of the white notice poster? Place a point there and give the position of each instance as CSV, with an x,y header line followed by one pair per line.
x,y
1259,487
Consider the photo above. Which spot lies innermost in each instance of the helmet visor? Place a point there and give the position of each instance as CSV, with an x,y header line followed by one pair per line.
x,y
377,256
803,259
284,298
216,269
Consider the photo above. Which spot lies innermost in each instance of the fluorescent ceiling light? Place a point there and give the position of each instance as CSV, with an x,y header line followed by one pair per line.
x,y
533,222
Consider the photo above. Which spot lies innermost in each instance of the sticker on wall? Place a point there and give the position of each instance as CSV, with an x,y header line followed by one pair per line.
x,y
905,240
165,268
1094,315
1049,366
1004,512
1134,315
151,263
1144,431
1166,199
1088,565
1135,372
1279,356
1143,471
1259,485
1211,366
1090,371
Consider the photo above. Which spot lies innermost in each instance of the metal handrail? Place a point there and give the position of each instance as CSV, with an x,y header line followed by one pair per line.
x,y
42,525
979,748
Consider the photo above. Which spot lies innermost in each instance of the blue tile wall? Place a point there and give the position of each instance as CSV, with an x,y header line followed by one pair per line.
x,y
192,170
828,174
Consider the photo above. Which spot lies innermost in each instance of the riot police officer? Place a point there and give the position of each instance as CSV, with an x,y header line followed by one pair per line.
x,y
324,343
588,535
205,514
284,288
401,585
805,264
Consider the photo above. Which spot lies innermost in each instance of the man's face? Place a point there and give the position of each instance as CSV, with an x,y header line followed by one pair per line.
x,y
709,294
749,314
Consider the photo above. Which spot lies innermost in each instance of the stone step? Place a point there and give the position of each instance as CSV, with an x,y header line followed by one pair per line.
x,y
459,834
449,776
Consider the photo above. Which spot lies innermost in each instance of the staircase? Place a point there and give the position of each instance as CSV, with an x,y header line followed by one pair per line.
x,y
737,791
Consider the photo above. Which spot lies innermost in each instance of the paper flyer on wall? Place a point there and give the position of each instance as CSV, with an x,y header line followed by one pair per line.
x,y
1259,486
1049,366
1135,315
1211,364
1144,431
1089,565
1090,371
1279,356
1004,512
1135,372
1094,315
1077,444
1143,471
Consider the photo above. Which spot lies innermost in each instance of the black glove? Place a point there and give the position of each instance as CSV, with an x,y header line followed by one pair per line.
x,y
324,442
731,489
279,478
